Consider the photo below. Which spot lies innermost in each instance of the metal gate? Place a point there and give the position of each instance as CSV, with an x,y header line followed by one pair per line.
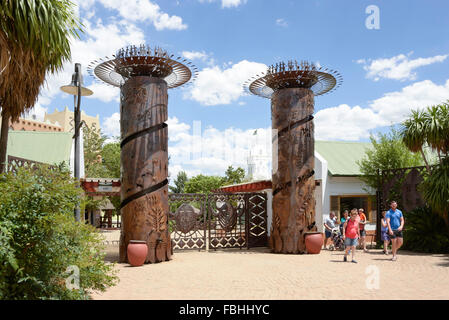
x,y
218,220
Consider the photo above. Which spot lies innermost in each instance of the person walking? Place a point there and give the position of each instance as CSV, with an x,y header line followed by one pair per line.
x,y
395,221
351,234
343,220
362,229
329,224
384,232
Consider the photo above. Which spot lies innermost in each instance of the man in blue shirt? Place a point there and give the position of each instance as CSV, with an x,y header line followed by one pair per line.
x,y
395,222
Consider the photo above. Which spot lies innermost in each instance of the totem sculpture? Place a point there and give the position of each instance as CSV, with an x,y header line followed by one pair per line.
x,y
144,74
291,88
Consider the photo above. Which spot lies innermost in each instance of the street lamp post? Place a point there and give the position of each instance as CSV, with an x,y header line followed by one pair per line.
x,y
76,89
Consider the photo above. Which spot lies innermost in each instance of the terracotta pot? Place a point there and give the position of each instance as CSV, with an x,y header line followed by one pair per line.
x,y
314,241
137,252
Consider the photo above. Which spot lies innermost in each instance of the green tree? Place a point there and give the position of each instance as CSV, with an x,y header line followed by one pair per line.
x,y
180,183
203,184
388,152
93,146
39,239
34,41
115,200
234,176
110,155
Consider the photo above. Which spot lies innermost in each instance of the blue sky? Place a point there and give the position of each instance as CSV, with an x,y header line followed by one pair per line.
x,y
387,71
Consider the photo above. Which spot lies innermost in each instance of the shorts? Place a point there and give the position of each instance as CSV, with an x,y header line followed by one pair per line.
x,y
363,233
328,234
384,236
396,234
351,242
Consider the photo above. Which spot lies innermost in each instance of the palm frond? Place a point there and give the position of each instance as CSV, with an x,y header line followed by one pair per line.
x,y
35,40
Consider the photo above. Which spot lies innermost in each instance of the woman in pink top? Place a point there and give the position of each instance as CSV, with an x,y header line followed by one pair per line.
x,y
351,234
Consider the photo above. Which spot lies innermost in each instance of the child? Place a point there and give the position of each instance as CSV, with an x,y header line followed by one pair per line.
x,y
351,232
384,232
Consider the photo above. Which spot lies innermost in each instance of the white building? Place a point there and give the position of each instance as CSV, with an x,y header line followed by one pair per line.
x,y
338,184
259,158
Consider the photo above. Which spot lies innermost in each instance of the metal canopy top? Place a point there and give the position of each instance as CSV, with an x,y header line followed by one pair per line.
x,y
134,61
293,75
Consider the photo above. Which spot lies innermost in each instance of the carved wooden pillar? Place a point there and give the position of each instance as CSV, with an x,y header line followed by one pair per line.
x,y
144,160
293,182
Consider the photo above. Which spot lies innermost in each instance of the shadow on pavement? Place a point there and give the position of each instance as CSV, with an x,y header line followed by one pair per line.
x,y
241,251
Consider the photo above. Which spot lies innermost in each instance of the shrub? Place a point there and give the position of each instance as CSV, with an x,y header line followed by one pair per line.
x,y
425,231
39,238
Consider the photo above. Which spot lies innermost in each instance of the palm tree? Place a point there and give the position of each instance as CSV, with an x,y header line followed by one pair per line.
x,y
413,133
431,127
34,41
434,129
435,190
443,115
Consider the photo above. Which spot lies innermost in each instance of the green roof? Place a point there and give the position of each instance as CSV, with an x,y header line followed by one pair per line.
x,y
46,147
342,156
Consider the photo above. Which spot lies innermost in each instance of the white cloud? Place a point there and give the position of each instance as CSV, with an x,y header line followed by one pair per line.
x,y
38,110
177,130
104,92
227,3
174,169
281,23
345,123
354,123
396,106
111,125
195,55
215,85
211,151
232,3
399,67
144,10
136,10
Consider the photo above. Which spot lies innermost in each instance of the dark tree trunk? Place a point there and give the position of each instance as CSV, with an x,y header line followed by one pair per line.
x,y
144,159
4,142
293,181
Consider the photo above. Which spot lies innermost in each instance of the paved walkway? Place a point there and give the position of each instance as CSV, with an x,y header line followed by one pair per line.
x,y
258,274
